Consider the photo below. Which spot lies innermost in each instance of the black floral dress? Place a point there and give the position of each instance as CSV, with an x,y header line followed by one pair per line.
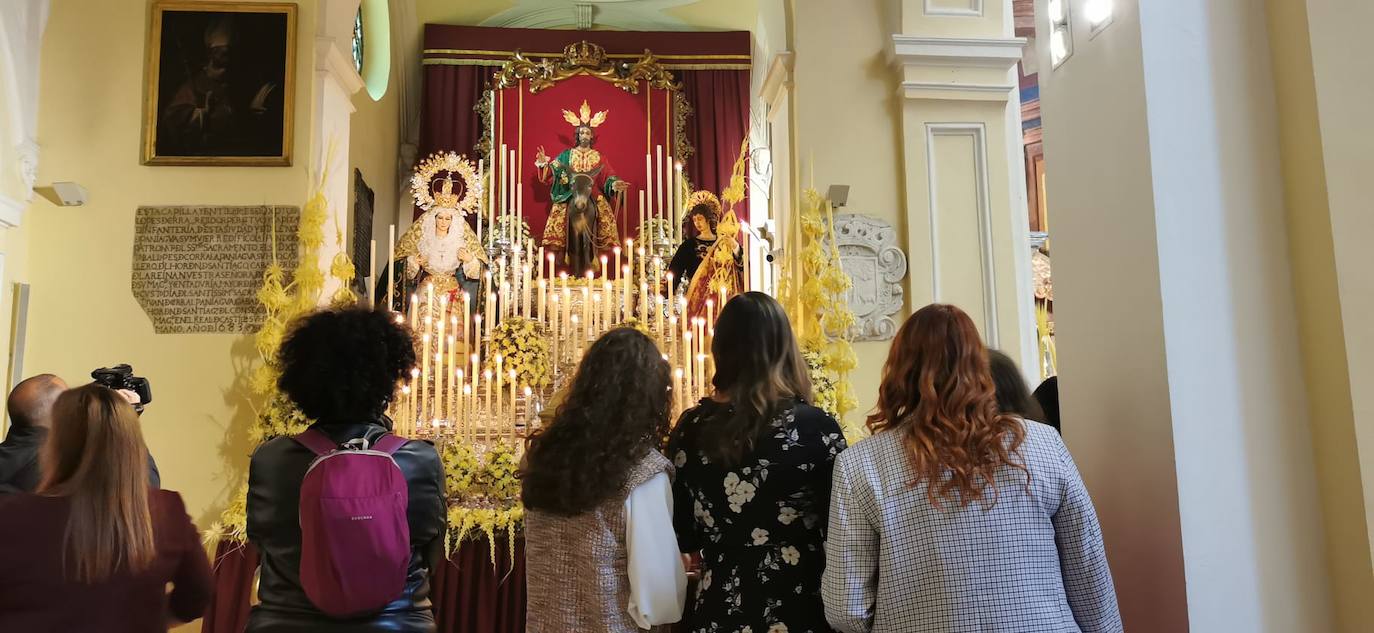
x,y
760,526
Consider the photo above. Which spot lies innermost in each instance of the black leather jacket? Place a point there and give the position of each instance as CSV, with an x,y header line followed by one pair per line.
x,y
274,481
19,467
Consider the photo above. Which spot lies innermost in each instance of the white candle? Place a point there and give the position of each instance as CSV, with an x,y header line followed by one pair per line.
x,y
371,265
543,290
525,291
677,392
481,175
608,300
658,172
677,202
513,203
505,188
390,261
648,189
642,217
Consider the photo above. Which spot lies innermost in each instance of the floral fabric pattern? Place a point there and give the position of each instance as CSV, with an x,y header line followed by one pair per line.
x,y
759,524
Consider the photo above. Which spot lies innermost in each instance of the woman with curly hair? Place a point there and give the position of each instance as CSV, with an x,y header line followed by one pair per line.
x,y
753,479
955,516
599,546
341,369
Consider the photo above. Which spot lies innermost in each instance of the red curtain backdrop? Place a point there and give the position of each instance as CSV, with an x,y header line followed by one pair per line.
x,y
635,125
713,68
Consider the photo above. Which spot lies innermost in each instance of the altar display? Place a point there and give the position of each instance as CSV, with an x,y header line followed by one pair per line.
x,y
502,306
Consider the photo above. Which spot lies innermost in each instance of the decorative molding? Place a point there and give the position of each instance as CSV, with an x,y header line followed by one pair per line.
x,y
584,58
956,91
911,50
27,157
974,10
584,16
977,132
876,265
335,63
778,78
11,211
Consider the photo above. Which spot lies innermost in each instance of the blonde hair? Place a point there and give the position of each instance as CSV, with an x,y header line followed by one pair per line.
x,y
96,458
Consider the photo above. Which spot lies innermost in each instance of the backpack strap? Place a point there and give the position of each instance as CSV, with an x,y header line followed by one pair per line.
x,y
317,442
389,443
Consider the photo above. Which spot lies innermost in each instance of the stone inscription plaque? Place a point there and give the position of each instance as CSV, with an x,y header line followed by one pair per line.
x,y
198,269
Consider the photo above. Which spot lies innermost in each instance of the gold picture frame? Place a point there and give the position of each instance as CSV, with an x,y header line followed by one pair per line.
x,y
211,102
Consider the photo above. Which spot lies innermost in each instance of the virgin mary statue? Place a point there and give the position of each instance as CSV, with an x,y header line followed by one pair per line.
x,y
438,249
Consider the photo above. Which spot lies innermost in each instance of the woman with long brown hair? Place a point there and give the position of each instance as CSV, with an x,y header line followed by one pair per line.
x,y
599,550
753,479
95,548
955,516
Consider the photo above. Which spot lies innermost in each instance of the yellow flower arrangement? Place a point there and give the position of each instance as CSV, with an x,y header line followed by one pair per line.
x,y
484,495
283,303
523,347
821,313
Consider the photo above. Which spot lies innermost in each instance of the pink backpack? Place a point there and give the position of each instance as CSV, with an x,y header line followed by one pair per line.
x,y
355,541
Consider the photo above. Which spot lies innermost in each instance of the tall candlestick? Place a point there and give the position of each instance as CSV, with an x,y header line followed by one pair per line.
x,y
486,379
576,339
543,290
371,266
608,317
678,407
598,321
677,202
481,175
658,171
511,422
687,360
644,303
505,192
648,190
642,217
500,379
390,261
512,205
625,305
555,320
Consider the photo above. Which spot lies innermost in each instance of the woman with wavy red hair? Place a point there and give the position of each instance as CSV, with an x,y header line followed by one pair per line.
x,y
955,516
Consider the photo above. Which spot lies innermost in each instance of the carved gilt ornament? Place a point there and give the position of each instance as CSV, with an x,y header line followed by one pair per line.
x,y
584,58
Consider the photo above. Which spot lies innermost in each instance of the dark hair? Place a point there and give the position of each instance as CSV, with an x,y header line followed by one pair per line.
x,y
758,367
1013,396
937,395
616,411
1047,394
344,365
704,210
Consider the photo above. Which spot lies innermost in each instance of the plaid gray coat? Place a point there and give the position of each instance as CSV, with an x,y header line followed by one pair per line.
x,y
1033,562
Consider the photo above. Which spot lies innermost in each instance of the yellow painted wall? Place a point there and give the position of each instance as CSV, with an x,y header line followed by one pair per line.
x,y
82,312
1321,332
849,129
373,148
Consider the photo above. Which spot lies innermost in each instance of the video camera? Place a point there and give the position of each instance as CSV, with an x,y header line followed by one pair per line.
x,y
122,377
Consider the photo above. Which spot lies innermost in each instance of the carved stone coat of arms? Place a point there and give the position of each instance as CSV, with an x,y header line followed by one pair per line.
x,y
876,266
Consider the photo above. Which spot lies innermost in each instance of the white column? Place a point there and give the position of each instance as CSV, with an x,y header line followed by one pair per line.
x,y
335,82
967,229
1180,376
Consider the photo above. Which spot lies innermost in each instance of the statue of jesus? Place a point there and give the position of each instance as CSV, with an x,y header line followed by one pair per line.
x,y
581,224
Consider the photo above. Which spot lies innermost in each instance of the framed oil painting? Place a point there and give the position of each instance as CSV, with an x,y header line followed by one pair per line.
x,y
221,84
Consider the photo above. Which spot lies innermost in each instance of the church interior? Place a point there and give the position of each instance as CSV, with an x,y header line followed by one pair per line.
x,y
181,180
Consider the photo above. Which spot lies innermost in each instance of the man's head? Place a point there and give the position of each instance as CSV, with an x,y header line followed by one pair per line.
x,y
30,404
585,136
703,218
